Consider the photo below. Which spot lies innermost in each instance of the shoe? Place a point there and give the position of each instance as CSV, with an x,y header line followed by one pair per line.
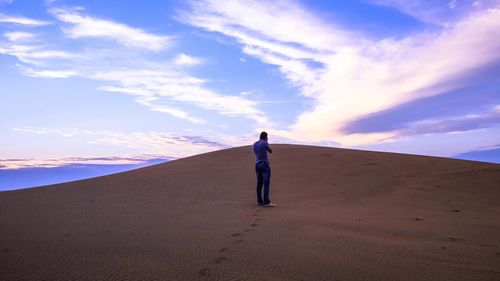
x,y
270,205
260,204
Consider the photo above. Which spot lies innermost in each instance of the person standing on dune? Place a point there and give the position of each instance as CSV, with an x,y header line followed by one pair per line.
x,y
263,170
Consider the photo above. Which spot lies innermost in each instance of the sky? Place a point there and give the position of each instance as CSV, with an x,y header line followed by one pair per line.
x,y
124,82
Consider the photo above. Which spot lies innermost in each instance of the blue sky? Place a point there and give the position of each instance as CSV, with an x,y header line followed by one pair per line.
x,y
121,82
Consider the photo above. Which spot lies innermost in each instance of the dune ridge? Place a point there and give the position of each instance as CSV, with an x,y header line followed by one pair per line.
x,y
342,215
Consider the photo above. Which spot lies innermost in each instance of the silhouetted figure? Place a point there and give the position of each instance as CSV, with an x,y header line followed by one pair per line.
x,y
263,170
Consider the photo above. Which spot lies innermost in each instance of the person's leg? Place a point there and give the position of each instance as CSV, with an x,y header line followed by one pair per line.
x,y
266,175
260,182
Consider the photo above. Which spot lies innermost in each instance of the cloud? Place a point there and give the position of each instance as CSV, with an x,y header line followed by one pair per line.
x,y
81,26
437,12
281,33
186,60
12,164
161,143
35,53
167,109
161,86
454,124
16,36
477,100
452,4
49,73
345,74
151,87
22,20
157,143
359,82
63,132
249,21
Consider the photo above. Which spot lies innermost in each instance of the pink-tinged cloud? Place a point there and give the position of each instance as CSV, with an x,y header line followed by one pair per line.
x,y
12,164
358,76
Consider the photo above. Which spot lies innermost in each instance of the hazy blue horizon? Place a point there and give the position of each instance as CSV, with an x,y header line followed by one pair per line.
x,y
14,179
35,177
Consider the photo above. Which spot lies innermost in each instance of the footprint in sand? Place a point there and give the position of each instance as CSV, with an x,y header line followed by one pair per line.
x,y
249,229
237,234
219,260
205,272
238,241
253,225
259,219
223,250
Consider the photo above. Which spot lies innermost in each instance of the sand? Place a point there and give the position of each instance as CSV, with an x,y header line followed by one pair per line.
x,y
341,215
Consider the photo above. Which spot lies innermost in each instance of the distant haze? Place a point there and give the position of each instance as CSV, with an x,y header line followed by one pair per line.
x,y
34,177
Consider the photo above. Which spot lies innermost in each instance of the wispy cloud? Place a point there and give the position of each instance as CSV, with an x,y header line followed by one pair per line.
x,y
437,12
81,26
281,33
187,60
351,75
49,73
454,124
10,164
67,132
163,85
22,20
35,53
19,36
157,143
151,86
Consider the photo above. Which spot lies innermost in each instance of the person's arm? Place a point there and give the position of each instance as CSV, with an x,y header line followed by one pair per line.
x,y
269,149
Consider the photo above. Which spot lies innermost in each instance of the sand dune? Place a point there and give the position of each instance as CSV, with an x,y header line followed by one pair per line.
x,y
342,215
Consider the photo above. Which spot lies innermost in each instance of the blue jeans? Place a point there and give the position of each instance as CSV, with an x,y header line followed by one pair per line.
x,y
263,171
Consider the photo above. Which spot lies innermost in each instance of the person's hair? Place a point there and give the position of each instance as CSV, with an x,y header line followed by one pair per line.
x,y
263,135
